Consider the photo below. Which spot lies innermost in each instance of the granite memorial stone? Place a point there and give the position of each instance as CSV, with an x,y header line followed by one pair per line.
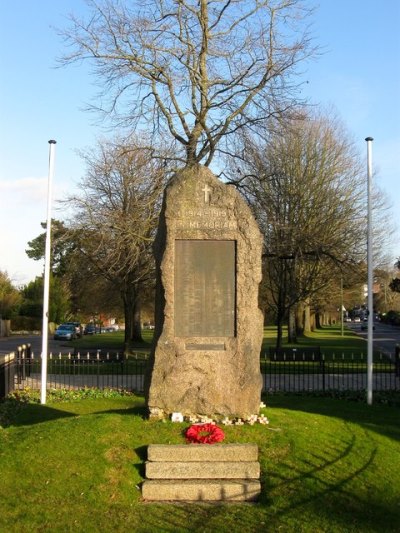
x,y
205,358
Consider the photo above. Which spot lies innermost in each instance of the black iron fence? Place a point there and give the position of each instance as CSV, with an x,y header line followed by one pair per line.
x,y
296,371
7,371
290,371
108,371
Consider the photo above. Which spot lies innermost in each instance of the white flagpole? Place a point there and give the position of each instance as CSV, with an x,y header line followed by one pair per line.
x,y
370,305
46,288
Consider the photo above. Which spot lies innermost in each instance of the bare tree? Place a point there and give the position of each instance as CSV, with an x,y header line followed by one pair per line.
x,y
115,219
198,70
305,183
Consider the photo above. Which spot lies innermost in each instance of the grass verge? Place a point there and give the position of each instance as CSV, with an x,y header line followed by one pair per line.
x,y
329,339
76,464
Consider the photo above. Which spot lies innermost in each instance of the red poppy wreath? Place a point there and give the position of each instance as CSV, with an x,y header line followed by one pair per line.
x,y
204,434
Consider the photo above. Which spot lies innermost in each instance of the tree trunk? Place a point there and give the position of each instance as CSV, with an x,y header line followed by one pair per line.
x,y
307,319
133,329
292,337
279,332
136,319
299,314
279,320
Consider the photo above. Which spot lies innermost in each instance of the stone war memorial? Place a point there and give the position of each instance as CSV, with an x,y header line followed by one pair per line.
x,y
205,358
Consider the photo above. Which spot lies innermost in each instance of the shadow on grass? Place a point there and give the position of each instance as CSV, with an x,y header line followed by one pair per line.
x,y
138,410
26,414
141,452
319,484
381,418
31,414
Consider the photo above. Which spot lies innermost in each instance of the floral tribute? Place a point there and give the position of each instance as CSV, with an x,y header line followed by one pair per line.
x,y
213,431
204,434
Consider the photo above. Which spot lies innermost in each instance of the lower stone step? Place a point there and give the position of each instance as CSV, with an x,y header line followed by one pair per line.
x,y
203,470
235,490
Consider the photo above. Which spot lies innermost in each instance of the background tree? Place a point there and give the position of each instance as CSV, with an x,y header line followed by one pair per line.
x,y
196,70
114,221
10,298
65,273
304,181
384,298
59,303
98,297
62,247
87,292
395,283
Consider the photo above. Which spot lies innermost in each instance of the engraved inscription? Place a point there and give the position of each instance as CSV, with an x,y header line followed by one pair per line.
x,y
205,218
205,288
206,224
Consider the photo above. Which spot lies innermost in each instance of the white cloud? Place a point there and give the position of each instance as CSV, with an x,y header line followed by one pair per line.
x,y
23,190
23,205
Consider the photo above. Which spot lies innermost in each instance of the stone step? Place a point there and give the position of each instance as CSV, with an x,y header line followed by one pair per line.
x,y
201,490
202,452
203,470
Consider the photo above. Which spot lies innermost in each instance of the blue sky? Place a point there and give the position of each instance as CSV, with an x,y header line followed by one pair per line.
x,y
358,73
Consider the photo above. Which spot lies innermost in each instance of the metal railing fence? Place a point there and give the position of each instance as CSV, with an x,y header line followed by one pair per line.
x,y
292,372
296,373
7,378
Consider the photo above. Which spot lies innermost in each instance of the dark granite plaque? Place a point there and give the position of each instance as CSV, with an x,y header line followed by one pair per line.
x,y
205,295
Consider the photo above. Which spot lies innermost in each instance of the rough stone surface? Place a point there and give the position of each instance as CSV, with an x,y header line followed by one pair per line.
x,y
202,452
203,470
204,374
201,490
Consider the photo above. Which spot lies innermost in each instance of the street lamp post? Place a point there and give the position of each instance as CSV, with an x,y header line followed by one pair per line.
x,y
370,275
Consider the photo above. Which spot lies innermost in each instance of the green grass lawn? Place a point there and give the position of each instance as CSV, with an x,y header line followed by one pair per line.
x,y
329,339
333,345
76,465
111,341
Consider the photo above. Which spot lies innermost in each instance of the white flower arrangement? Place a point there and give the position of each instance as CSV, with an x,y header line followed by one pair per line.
x,y
252,419
263,419
177,417
226,421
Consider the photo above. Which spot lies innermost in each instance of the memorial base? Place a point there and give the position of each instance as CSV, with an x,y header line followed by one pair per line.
x,y
202,472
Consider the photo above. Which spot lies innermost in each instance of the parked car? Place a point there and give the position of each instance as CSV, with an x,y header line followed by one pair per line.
x,y
65,332
109,329
77,326
357,319
91,329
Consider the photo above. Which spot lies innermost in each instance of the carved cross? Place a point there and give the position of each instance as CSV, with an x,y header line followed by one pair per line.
x,y
206,191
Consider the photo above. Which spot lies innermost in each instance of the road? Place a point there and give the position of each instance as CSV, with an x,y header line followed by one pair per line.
x,y
385,337
10,344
